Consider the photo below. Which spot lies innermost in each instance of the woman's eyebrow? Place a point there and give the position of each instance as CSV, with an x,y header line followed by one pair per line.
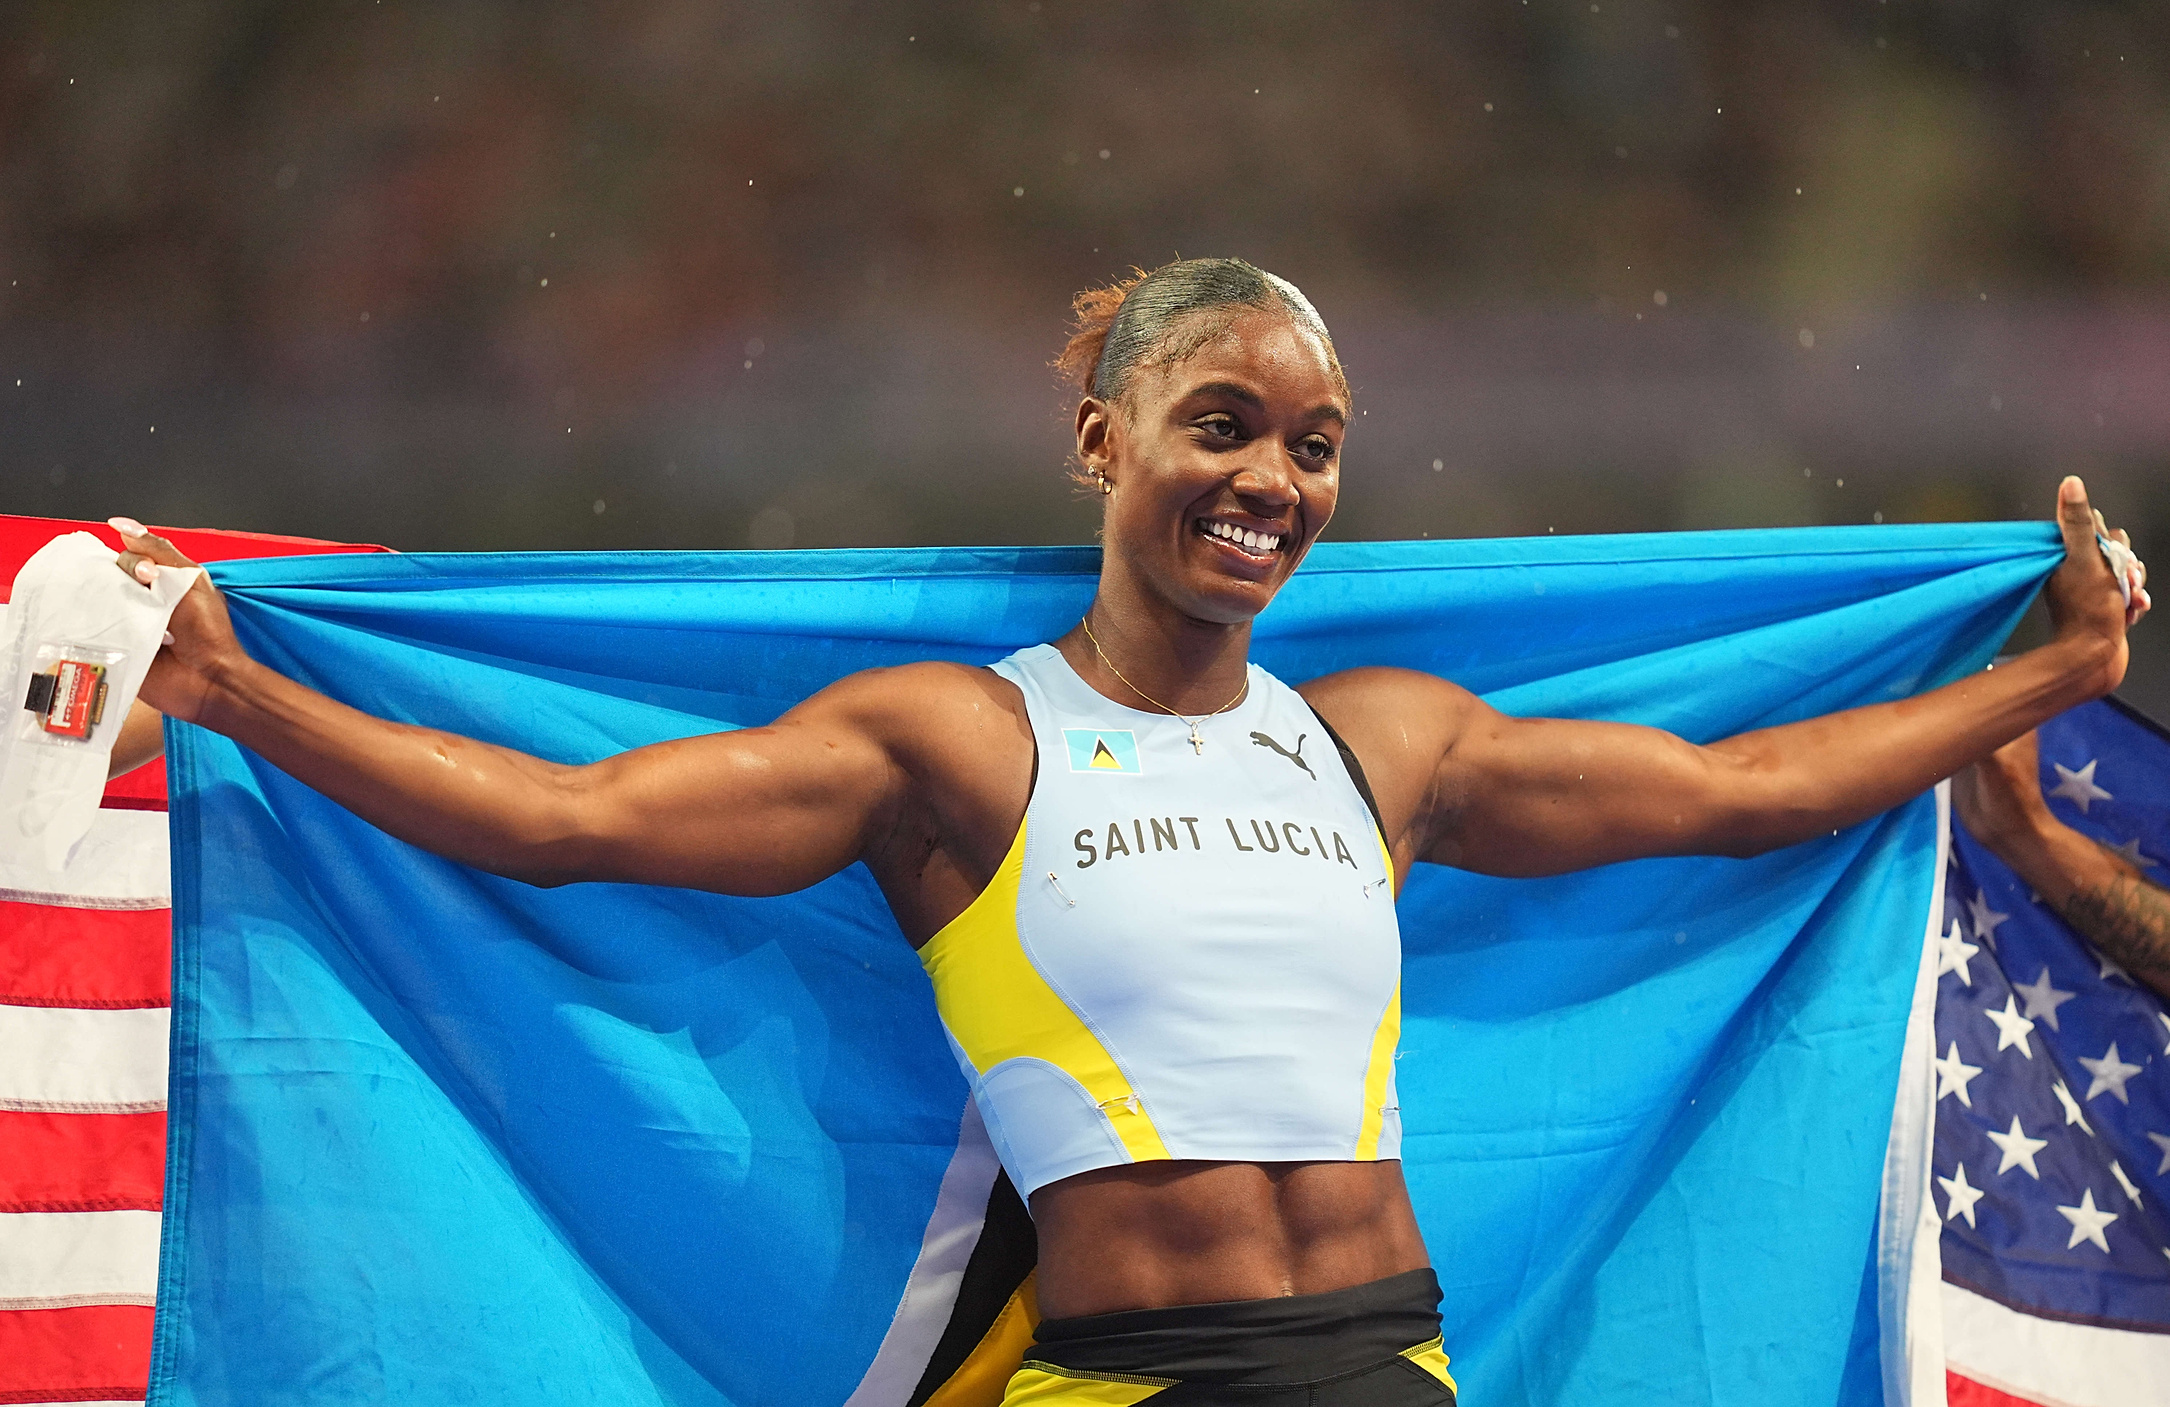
x,y
1229,389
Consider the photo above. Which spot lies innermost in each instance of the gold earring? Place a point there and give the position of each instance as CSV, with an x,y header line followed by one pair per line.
x,y
1106,485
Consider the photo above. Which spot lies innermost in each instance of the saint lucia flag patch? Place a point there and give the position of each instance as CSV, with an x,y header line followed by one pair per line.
x,y
1102,750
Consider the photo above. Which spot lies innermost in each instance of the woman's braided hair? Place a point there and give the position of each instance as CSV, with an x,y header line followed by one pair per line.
x,y
1146,319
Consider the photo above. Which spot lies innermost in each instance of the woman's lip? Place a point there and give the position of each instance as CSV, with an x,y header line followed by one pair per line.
x,y
1258,567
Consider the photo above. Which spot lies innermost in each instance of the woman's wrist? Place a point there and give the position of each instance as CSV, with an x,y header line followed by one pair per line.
x,y
2085,665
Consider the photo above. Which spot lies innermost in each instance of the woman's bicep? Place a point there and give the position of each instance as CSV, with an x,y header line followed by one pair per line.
x,y
1537,796
757,811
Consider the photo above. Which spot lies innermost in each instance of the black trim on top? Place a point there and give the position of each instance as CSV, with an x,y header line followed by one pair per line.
x,y
1356,769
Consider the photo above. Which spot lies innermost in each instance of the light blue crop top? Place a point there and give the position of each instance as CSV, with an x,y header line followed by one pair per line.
x,y
1186,953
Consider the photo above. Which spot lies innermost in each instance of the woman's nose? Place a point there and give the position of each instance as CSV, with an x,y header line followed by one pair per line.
x,y
1267,478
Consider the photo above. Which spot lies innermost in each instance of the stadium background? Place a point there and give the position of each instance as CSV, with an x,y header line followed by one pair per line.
x,y
669,273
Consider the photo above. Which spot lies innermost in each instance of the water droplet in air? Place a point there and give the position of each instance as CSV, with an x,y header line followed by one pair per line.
x,y
1487,107
1658,297
1438,464
599,506
1808,338
1103,153
1017,190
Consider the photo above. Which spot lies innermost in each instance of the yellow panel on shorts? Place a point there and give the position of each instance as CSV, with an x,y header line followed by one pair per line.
x,y
979,1380
997,1006
1432,1358
1035,1386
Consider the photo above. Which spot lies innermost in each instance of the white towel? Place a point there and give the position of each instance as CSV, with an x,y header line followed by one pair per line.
x,y
71,603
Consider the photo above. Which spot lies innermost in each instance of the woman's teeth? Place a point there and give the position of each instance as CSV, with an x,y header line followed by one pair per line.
x,y
1246,538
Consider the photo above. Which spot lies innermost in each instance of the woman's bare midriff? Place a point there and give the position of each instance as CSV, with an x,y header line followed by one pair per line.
x,y
1151,1235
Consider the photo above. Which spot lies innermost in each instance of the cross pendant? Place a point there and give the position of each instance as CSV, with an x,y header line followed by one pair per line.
x,y
1197,744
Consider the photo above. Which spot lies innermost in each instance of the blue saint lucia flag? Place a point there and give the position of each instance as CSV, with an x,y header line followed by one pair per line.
x,y
440,1137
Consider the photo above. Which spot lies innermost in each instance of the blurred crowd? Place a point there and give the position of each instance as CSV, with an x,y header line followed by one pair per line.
x,y
672,273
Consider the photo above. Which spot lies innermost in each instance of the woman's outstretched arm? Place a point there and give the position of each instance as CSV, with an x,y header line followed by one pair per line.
x,y
758,811
1483,791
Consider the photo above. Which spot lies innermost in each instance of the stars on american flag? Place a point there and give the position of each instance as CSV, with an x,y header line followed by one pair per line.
x,y
2052,1083
2110,1074
2018,1149
2073,1113
2012,1028
1952,952
2042,998
1983,919
2131,851
1953,1075
2087,1222
2078,787
1961,1196
2117,1171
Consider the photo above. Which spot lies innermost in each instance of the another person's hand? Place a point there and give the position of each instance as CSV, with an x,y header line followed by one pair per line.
x,y
2095,889
2087,605
200,644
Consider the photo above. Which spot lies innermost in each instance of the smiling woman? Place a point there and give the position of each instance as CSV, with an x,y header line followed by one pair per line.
x,y
1160,932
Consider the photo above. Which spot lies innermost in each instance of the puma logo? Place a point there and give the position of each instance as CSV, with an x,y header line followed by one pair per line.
x,y
1297,757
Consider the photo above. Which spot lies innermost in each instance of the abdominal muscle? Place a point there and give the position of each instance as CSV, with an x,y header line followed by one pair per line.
x,y
1152,1235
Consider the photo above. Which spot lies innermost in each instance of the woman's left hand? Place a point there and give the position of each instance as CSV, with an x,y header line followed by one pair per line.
x,y
2087,605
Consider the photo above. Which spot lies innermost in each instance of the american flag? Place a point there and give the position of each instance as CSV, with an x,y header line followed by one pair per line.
x,y
2052,1153
84,996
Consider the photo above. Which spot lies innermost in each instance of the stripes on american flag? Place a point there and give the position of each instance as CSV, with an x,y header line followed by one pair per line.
x,y
84,997
85,985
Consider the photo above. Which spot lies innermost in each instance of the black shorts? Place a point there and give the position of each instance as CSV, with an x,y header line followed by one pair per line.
x,y
1374,1345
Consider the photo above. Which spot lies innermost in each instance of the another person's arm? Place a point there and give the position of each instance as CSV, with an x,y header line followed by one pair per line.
x,y
2097,890
1465,785
757,811
142,739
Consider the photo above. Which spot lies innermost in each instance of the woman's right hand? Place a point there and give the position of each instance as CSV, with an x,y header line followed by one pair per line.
x,y
200,643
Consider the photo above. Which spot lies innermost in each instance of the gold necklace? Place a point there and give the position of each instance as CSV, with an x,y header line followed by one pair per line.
x,y
1197,743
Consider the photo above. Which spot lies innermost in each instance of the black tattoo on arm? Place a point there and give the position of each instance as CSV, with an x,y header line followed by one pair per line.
x,y
2128,919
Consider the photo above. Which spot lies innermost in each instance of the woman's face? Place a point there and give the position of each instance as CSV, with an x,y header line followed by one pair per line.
x,y
1225,465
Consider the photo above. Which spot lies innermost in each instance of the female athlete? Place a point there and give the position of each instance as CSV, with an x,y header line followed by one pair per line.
x,y
1180,1031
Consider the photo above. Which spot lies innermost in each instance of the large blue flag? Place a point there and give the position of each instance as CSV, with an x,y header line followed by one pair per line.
x,y
440,1137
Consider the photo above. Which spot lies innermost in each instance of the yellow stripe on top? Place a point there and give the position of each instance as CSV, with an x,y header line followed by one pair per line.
x,y
998,1007
1379,1069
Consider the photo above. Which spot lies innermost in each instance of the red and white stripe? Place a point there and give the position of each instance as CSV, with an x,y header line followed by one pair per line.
x,y
84,997
84,1004
2001,1357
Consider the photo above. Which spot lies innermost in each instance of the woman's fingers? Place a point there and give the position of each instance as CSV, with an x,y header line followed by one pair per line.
x,y
146,551
141,541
